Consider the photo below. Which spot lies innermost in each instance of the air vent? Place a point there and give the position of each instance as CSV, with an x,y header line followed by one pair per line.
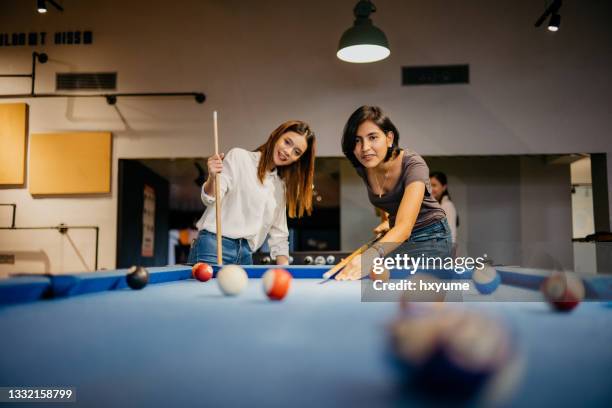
x,y
436,75
86,81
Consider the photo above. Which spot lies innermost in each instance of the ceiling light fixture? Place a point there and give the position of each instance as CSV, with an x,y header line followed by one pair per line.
x,y
41,6
364,42
554,23
553,12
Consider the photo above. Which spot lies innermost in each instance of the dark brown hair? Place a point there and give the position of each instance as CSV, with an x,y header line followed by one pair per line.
x,y
363,114
441,177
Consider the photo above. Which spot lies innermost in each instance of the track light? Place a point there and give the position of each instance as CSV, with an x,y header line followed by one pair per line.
x,y
41,6
363,42
553,12
554,23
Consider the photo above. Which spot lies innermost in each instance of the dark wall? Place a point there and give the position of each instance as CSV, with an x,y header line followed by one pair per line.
x,y
132,178
317,232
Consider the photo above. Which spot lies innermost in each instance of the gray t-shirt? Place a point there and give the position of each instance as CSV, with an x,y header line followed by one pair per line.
x,y
414,168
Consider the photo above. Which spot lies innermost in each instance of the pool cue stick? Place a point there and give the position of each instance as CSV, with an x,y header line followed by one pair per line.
x,y
217,195
345,261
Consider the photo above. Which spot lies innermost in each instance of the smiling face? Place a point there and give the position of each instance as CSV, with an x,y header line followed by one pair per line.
x,y
437,188
289,147
371,144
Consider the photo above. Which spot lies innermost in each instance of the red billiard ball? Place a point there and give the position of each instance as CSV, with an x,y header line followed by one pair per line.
x,y
563,291
202,271
276,283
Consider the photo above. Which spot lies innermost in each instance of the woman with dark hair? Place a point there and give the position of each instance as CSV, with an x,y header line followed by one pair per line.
x,y
397,181
439,189
258,189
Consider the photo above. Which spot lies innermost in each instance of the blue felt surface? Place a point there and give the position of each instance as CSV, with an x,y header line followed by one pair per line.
x,y
31,288
297,271
599,287
184,344
596,287
23,289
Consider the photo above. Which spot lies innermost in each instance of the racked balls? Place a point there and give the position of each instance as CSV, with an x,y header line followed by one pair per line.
x,y
448,353
563,291
420,298
137,277
202,271
486,280
276,283
232,280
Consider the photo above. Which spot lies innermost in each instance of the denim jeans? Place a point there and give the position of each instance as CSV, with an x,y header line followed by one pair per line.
x,y
431,241
204,249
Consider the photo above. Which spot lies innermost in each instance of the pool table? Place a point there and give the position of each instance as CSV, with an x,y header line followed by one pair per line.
x,y
179,342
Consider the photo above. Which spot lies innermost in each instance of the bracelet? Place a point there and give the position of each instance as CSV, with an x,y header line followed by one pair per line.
x,y
379,248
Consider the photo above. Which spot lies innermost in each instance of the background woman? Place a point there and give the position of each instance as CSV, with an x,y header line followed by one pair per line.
x,y
439,189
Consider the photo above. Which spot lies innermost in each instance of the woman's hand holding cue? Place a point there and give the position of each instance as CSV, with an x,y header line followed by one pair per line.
x,y
381,228
352,270
215,166
360,265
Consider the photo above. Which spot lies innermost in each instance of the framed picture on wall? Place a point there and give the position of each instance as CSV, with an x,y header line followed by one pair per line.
x,y
148,222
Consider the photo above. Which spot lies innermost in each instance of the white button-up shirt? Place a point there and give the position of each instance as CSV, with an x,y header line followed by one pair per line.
x,y
249,209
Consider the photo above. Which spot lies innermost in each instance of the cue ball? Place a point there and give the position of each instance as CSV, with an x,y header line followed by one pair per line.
x,y
276,283
563,291
202,271
137,277
232,280
486,280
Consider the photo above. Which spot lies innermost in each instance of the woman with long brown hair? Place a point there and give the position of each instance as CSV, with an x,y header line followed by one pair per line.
x,y
258,189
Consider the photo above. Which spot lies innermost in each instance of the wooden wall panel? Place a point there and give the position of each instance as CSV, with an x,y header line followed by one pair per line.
x,y
13,137
70,163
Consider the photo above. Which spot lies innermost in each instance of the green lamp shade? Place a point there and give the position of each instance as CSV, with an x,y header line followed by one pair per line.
x,y
363,43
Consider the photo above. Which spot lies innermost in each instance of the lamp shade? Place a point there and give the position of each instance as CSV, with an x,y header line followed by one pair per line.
x,y
554,23
362,43
41,6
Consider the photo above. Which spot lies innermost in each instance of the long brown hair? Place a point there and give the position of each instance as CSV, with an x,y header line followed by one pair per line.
x,y
298,176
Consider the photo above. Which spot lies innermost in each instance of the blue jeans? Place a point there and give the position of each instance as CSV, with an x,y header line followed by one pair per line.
x,y
204,249
431,241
